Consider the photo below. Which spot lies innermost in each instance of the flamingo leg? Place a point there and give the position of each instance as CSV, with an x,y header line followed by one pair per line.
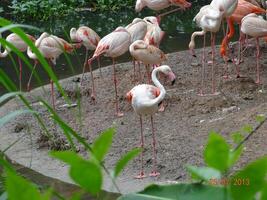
x,y
141,174
148,73
258,64
118,113
154,173
52,88
203,66
239,55
212,60
139,70
29,82
84,65
20,73
134,75
93,95
99,66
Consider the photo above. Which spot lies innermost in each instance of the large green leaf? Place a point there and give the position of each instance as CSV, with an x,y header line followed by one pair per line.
x,y
102,144
85,173
216,153
179,192
235,155
264,192
124,161
250,180
6,97
204,173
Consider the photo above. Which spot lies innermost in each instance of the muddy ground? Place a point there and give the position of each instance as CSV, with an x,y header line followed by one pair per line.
x,y
182,129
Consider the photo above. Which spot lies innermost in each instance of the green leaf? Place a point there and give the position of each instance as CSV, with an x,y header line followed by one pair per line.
x,y
237,137
247,128
264,192
235,155
102,144
19,188
85,173
204,173
121,164
250,180
3,196
179,192
10,116
4,98
216,153
260,118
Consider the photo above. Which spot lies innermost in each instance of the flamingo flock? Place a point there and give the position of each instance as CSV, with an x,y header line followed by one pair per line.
x,y
142,38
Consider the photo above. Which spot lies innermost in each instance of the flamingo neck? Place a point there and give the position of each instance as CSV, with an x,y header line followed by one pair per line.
x,y
5,53
37,45
158,85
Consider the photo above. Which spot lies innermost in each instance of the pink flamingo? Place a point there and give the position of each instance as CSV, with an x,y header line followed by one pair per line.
x,y
89,38
256,27
209,19
17,42
137,30
113,45
161,4
51,47
145,100
154,33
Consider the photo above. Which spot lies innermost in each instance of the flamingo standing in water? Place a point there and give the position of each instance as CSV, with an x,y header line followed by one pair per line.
x,y
51,47
113,45
137,30
256,27
161,4
18,43
243,8
145,100
209,19
89,38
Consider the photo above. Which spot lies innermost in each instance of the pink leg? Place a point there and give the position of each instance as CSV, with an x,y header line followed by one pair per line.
x,y
29,82
93,95
118,113
52,89
99,66
212,59
141,174
258,81
134,75
139,71
84,65
203,66
154,173
20,73
148,73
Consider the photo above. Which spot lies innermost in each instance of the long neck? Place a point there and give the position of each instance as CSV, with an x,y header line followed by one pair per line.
x,y
5,53
192,42
37,44
158,85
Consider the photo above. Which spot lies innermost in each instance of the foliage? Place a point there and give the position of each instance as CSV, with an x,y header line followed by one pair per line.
x,y
114,4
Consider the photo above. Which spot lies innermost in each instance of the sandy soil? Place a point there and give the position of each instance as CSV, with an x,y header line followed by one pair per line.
x,y
182,130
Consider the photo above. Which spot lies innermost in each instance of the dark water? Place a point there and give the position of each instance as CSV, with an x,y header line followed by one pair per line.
x,y
178,27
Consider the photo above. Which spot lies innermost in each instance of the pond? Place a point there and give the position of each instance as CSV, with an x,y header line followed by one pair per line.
x,y
178,27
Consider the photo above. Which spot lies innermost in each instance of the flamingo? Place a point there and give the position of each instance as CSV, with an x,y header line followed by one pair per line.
x,y
89,38
161,4
243,8
256,27
113,45
145,100
17,42
209,19
154,33
51,47
137,30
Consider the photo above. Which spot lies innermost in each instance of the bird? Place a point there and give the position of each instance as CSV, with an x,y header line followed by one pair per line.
x,y
89,39
145,100
20,45
256,27
161,4
113,45
243,8
51,47
154,33
208,19
137,30
147,54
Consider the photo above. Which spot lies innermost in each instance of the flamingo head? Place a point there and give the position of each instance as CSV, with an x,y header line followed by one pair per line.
x,y
73,35
139,5
191,48
138,44
165,69
183,4
129,97
152,20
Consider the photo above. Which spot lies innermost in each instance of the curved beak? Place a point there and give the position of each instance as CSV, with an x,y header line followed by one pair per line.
x,y
172,77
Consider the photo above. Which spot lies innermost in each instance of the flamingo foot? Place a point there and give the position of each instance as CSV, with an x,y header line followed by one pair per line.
x,y
162,108
258,82
154,174
210,62
119,114
201,93
140,176
226,77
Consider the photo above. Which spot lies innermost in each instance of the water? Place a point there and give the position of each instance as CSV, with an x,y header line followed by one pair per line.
x,y
178,27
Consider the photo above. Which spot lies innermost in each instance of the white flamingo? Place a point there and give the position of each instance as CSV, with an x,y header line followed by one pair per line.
x,y
145,100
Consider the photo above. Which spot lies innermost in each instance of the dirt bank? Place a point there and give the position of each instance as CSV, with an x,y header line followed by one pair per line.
x,y
182,130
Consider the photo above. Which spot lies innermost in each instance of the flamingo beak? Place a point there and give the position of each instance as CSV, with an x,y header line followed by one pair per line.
x,y
172,77
129,97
